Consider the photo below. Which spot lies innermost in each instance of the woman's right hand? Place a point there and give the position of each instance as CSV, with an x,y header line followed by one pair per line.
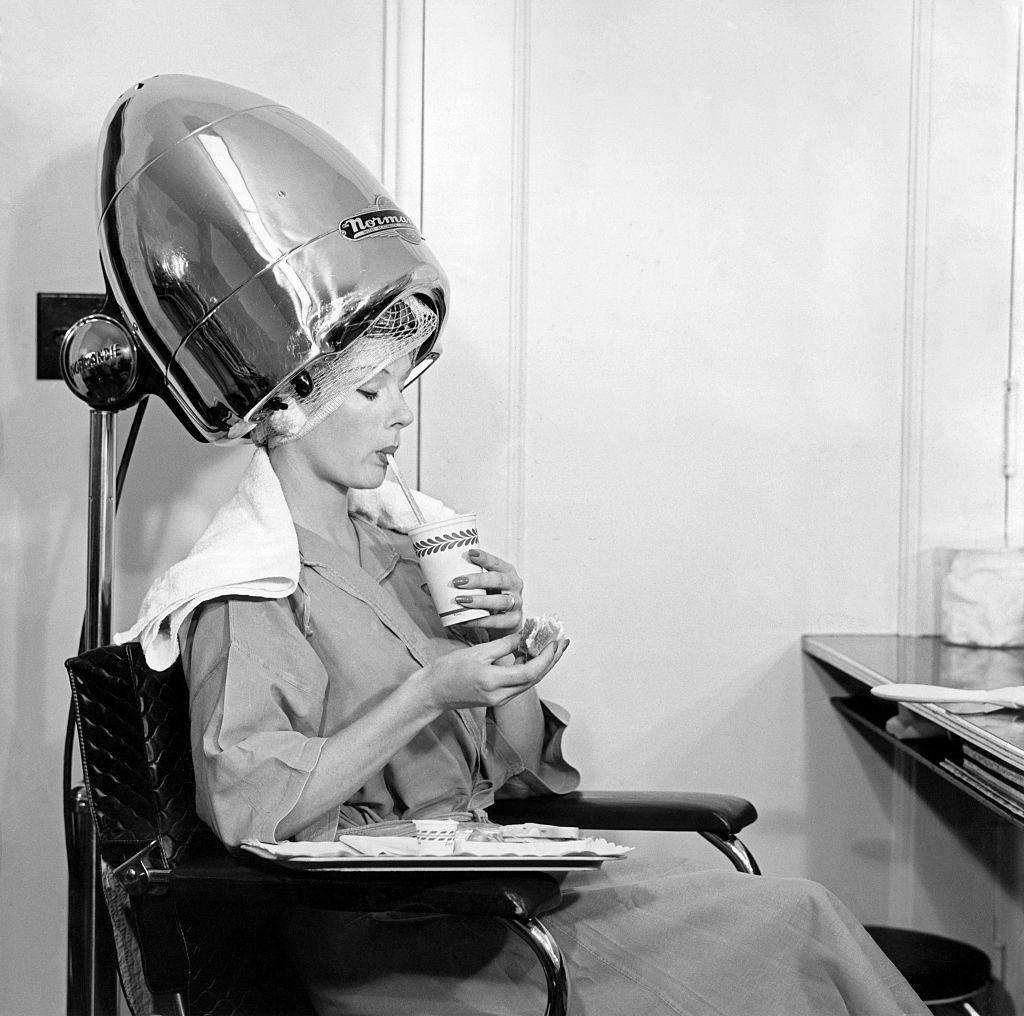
x,y
471,676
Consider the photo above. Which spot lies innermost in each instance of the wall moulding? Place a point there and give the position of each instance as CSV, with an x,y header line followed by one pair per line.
x,y
401,169
912,562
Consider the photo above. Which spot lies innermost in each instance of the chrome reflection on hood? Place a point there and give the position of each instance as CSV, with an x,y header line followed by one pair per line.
x,y
241,242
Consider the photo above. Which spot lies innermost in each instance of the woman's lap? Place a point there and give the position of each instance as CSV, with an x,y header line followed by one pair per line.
x,y
644,936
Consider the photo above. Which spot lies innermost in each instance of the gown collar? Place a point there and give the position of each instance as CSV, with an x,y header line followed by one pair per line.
x,y
365,579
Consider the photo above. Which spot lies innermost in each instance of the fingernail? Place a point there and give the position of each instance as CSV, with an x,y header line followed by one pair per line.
x,y
473,554
463,599
564,644
460,581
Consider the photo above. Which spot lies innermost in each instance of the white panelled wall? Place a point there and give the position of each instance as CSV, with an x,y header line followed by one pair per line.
x,y
725,365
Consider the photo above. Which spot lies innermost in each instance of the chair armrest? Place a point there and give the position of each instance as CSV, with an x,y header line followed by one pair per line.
x,y
719,814
501,894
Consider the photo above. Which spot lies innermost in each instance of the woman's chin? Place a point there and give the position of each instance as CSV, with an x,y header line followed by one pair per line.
x,y
368,482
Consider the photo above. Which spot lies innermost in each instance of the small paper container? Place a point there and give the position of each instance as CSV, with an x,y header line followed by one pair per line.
x,y
436,837
441,549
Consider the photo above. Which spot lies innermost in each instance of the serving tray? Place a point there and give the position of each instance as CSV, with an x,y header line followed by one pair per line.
x,y
426,863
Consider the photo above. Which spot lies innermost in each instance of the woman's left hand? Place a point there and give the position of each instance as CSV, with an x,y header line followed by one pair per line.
x,y
502,596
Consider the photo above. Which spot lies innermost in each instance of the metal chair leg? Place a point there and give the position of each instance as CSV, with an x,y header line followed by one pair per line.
x,y
170,1003
541,941
742,859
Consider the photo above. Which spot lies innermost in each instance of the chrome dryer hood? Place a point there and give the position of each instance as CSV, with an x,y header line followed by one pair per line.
x,y
240,242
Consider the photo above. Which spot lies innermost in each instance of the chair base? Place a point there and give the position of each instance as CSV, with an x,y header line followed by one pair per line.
x,y
941,970
541,941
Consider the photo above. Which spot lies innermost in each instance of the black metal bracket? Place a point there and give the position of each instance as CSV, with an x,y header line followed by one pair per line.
x,y
139,875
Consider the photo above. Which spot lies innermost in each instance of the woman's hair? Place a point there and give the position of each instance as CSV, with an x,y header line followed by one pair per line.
x,y
314,393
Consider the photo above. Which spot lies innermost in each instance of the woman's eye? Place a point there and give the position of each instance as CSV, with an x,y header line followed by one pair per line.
x,y
367,394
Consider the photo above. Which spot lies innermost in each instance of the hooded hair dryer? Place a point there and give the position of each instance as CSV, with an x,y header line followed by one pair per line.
x,y
239,244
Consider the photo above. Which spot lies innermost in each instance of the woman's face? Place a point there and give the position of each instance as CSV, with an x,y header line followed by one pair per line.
x,y
348,449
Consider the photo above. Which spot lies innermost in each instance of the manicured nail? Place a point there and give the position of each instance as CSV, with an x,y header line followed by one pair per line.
x,y
460,581
464,599
474,554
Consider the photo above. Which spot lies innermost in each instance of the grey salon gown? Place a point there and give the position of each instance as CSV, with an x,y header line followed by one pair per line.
x,y
269,680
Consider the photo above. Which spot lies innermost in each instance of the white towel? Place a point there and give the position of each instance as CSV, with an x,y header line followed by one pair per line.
x,y
250,549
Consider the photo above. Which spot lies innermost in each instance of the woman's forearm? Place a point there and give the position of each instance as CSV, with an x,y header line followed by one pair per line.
x,y
521,721
463,678
359,751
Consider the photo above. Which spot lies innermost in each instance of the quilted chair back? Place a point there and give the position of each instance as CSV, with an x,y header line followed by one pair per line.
x,y
133,729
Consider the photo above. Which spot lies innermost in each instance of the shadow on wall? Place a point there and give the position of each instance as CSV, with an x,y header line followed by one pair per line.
x,y
849,795
744,707
852,768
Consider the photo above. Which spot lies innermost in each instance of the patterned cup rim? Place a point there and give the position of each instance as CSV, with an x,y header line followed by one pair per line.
x,y
453,540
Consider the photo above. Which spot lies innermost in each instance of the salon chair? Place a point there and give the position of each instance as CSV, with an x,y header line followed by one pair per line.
x,y
200,919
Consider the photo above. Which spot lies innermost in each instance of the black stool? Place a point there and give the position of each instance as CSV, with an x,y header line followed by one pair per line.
x,y
941,970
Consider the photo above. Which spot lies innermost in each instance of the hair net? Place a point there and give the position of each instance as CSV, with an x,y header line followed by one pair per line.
x,y
317,391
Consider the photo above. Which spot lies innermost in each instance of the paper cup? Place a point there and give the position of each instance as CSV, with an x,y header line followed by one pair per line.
x,y
441,550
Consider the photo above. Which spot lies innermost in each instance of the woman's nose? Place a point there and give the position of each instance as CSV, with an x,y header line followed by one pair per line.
x,y
403,414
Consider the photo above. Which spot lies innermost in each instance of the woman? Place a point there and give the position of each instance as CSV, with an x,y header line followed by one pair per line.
x,y
346,704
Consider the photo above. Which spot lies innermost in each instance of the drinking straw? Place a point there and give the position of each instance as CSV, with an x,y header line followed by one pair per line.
x,y
406,491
